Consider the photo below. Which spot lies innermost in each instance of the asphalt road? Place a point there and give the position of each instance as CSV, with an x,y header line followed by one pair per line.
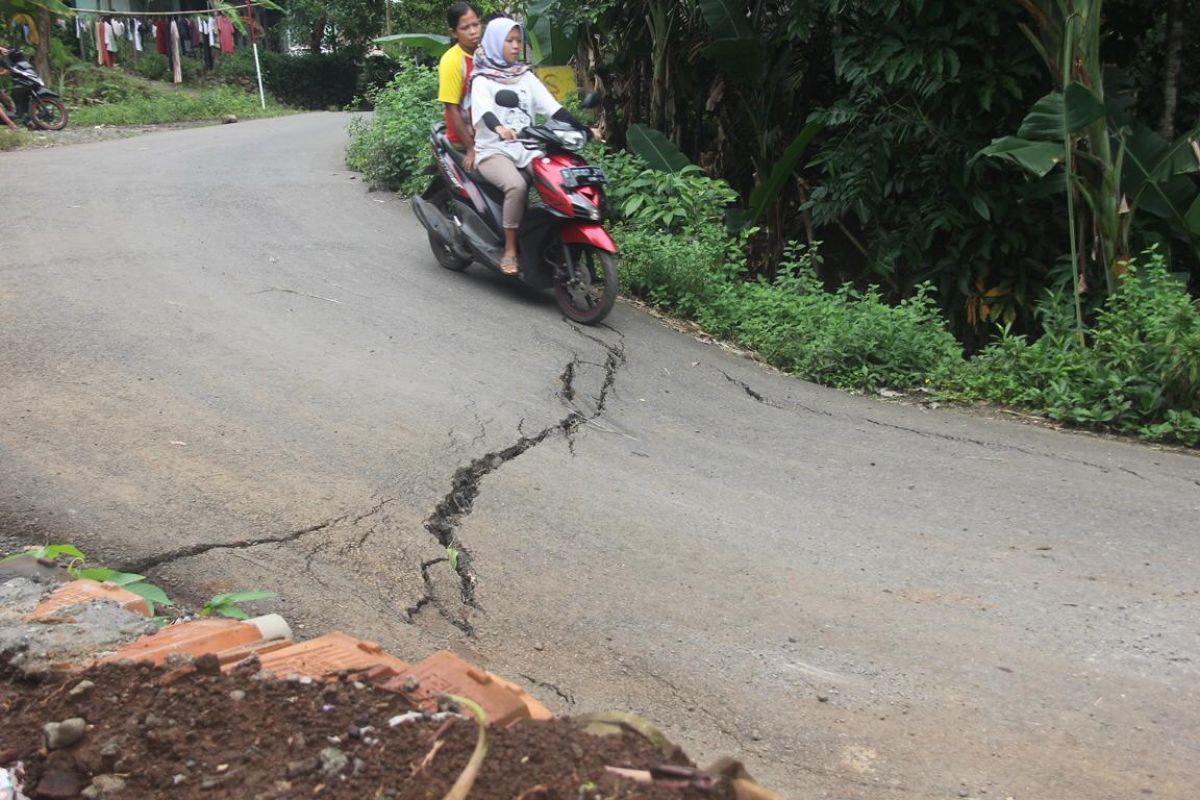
x,y
226,362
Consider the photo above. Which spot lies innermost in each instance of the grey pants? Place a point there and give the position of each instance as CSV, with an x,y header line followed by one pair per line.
x,y
502,173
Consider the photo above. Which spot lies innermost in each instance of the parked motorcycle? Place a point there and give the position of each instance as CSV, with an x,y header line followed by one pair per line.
x,y
562,245
32,102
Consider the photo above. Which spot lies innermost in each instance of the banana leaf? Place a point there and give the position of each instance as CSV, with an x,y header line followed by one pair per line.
x,y
727,19
432,43
655,149
766,193
1078,104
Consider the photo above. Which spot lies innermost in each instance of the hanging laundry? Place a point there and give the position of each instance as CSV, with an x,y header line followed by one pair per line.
x,y
225,33
178,68
98,30
195,31
160,36
137,35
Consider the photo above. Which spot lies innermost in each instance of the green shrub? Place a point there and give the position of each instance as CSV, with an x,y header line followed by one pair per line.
x,y
849,339
152,66
311,81
391,147
1138,373
377,72
676,202
684,273
236,67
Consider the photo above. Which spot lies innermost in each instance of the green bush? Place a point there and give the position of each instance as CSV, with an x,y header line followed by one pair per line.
x,y
675,202
153,66
849,339
1138,372
311,81
236,67
391,147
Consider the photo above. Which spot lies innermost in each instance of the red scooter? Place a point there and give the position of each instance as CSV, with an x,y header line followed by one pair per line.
x,y
562,245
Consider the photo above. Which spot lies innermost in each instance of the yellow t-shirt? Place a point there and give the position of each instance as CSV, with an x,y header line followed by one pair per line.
x,y
454,70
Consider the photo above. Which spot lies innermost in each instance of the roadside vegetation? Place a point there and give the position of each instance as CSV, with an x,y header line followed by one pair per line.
x,y
77,567
120,99
1133,368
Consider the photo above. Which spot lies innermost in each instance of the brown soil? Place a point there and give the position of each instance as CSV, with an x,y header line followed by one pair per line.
x,y
188,738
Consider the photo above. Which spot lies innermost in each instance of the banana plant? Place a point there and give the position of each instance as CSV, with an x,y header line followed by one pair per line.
x,y
1114,167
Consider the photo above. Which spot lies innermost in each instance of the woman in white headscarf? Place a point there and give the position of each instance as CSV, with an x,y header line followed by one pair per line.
x,y
498,156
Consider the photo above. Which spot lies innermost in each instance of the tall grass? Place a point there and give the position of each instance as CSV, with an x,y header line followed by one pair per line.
x,y
178,106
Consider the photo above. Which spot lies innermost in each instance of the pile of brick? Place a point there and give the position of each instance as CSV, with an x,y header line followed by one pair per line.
x,y
269,639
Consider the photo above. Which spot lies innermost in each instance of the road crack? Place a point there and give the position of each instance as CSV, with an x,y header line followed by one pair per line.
x,y
564,695
457,504
150,562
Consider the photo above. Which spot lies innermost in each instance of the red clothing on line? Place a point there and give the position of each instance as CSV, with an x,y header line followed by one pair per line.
x,y
225,34
160,37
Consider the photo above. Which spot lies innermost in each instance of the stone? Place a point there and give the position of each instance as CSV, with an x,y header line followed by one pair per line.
x,y
82,688
104,786
57,784
65,733
333,762
228,119
237,695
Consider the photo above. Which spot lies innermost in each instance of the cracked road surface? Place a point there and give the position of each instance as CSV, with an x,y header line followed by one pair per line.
x,y
227,363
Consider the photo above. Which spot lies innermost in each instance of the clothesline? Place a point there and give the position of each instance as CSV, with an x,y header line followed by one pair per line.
x,y
202,13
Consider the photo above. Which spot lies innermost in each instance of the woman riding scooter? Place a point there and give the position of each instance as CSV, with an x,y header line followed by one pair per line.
x,y
499,157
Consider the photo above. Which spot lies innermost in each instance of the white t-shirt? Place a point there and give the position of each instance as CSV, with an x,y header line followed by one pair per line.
x,y
533,99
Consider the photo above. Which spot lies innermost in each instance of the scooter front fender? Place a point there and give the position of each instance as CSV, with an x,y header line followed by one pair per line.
x,y
588,233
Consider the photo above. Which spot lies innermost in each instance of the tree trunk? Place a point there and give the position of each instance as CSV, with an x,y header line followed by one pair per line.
x,y
41,54
1172,68
318,36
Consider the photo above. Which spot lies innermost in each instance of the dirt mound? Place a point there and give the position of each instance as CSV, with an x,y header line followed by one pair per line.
x,y
152,734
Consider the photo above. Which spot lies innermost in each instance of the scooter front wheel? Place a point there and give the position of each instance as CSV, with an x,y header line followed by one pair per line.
x,y
49,114
586,286
444,253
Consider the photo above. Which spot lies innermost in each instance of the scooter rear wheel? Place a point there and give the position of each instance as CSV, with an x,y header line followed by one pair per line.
x,y
48,114
445,254
586,288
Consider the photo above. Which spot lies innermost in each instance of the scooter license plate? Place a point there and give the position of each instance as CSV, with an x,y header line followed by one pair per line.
x,y
573,177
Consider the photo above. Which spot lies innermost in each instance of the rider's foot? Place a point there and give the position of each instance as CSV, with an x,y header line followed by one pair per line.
x,y
508,265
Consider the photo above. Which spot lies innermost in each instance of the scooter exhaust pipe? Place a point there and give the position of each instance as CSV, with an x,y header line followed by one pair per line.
x,y
434,220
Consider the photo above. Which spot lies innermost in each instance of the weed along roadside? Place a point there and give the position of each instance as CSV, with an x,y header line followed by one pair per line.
x,y
101,698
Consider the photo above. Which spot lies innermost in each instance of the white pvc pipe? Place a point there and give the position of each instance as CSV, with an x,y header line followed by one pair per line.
x,y
262,97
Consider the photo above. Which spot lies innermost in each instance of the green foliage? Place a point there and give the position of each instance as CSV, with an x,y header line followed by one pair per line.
x,y
49,552
669,201
226,605
683,273
77,567
153,66
1138,373
391,147
849,339
12,140
311,81
183,105
656,150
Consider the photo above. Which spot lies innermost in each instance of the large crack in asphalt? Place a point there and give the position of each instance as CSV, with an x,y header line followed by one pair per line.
x,y
450,512
150,562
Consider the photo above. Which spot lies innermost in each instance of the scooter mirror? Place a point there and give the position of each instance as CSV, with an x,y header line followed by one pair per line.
x,y
507,98
591,100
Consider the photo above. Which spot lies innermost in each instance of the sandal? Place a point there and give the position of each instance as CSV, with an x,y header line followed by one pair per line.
x,y
508,265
